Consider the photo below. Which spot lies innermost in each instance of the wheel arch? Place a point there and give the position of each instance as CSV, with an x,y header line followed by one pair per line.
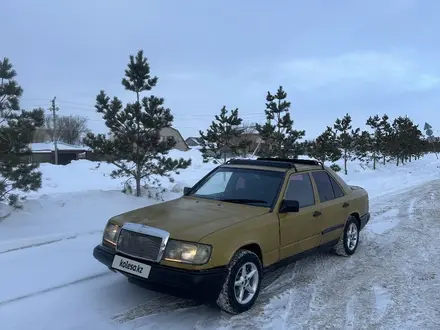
x,y
253,247
356,216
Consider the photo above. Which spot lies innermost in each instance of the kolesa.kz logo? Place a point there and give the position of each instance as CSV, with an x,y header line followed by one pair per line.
x,y
128,265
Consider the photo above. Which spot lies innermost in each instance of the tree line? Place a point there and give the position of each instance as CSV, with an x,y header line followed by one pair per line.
x,y
383,139
139,153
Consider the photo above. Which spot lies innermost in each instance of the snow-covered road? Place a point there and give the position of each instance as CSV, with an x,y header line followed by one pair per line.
x,y
392,282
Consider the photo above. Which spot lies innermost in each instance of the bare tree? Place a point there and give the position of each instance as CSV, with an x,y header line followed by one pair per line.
x,y
70,129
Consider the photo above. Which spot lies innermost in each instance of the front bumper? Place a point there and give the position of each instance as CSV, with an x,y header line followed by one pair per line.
x,y
201,284
364,220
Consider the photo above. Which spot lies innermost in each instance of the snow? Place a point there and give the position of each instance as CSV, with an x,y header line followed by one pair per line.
x,y
48,272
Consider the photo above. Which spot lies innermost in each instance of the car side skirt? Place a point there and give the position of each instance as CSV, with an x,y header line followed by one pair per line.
x,y
284,262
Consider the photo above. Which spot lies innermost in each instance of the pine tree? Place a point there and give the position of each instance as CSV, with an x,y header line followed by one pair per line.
x,y
407,140
346,138
379,125
223,137
280,139
16,131
387,137
135,146
325,147
363,146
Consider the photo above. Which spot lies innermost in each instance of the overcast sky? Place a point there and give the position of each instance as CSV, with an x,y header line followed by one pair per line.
x,y
332,57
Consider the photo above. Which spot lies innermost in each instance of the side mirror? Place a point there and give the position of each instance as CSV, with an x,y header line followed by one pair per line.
x,y
288,206
186,190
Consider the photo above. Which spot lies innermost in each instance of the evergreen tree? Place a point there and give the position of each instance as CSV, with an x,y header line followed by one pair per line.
x,y
224,137
346,138
16,130
363,146
407,140
325,147
135,146
387,138
281,140
378,124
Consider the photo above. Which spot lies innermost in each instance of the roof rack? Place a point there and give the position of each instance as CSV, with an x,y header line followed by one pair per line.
x,y
275,162
262,162
294,161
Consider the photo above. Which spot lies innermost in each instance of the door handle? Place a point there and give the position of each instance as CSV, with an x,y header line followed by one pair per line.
x,y
316,214
346,204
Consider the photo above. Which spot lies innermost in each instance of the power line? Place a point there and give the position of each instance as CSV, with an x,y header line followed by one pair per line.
x,y
86,107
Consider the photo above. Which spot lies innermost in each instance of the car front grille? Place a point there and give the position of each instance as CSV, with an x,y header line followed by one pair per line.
x,y
139,245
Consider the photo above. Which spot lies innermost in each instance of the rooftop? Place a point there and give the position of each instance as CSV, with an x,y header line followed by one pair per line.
x,y
49,146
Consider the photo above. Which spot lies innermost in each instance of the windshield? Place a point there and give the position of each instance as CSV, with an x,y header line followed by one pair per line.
x,y
243,186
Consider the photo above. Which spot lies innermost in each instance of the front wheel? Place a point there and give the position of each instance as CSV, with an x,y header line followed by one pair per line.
x,y
242,285
349,239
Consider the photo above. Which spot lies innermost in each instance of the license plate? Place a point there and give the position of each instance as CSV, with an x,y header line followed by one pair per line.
x,y
131,266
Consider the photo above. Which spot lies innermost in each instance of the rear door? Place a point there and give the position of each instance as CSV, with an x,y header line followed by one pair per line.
x,y
334,205
300,231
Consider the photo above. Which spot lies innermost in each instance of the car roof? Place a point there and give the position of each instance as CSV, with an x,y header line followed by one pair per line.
x,y
276,164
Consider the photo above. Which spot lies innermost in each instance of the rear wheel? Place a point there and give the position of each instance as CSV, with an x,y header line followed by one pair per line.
x,y
242,285
349,239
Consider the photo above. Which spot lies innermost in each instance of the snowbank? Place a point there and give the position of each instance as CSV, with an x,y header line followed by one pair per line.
x,y
84,175
390,178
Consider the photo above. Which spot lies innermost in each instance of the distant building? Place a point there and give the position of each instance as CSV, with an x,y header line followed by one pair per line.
x,y
174,133
193,141
44,152
171,132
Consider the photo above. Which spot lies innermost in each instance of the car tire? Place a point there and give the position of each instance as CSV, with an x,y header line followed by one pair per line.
x,y
229,297
349,239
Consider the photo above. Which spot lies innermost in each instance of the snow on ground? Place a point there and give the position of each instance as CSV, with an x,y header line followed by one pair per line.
x,y
48,272
84,175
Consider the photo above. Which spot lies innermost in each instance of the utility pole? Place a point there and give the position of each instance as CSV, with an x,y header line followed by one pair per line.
x,y
54,137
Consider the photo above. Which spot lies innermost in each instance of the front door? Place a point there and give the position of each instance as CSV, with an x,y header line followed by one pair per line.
x,y
300,231
334,206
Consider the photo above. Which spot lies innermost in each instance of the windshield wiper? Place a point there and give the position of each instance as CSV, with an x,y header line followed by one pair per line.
x,y
242,200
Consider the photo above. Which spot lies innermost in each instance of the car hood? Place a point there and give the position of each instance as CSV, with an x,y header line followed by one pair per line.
x,y
189,218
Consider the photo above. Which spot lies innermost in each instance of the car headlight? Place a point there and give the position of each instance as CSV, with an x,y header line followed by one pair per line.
x,y
111,233
187,252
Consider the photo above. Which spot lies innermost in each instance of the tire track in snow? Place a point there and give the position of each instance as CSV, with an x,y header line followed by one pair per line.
x,y
24,247
33,294
161,304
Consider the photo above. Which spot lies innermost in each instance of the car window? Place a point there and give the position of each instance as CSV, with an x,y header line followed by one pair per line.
x,y
238,185
324,186
300,189
216,184
336,188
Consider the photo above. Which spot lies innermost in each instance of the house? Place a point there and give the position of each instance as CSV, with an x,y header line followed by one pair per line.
x,y
167,132
174,133
193,141
44,152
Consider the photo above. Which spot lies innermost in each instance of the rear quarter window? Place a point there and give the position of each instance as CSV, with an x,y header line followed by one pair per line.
x,y
324,186
336,188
